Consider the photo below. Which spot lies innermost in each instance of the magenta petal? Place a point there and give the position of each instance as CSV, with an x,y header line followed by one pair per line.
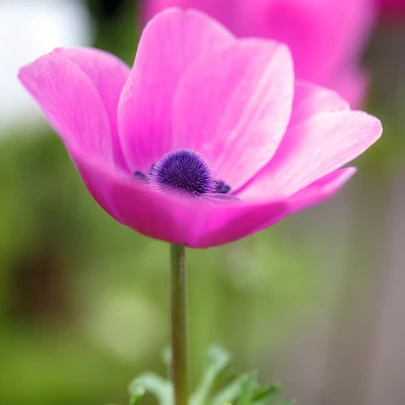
x,y
131,202
313,147
195,223
234,106
71,104
232,222
311,99
314,194
108,74
188,221
320,145
322,34
352,84
320,190
149,8
170,42
221,10
325,37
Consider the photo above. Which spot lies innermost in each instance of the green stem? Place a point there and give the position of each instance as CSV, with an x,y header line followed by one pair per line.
x,y
178,304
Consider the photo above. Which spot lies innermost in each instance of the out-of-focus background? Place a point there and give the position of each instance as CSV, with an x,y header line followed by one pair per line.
x,y
316,302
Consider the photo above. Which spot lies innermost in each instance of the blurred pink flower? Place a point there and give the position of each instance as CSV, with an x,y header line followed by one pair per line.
x,y
326,37
207,139
392,9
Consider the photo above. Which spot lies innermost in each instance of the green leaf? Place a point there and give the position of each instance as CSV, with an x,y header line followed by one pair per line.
x,y
265,394
230,393
136,392
246,390
248,387
219,359
243,390
152,383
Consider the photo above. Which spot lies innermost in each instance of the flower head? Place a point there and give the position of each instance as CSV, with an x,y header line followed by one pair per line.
x,y
208,138
326,37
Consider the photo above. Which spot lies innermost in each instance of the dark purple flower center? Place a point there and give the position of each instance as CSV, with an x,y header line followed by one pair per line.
x,y
186,171
183,170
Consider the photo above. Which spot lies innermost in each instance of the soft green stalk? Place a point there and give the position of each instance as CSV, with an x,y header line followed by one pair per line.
x,y
178,308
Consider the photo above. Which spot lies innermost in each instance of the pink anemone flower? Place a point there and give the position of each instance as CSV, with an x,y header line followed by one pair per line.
x,y
207,139
326,37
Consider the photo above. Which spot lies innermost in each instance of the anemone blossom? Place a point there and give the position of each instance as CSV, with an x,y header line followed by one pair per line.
x,y
209,138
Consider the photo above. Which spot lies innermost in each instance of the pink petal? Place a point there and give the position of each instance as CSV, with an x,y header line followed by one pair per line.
x,y
232,222
314,194
71,103
233,107
312,149
222,10
352,84
131,202
322,34
149,8
320,190
311,99
190,221
170,42
108,74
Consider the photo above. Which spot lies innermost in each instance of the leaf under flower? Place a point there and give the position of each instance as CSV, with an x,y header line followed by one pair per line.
x,y
241,390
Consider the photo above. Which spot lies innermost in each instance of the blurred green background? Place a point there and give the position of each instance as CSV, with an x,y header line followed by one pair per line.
x,y
84,301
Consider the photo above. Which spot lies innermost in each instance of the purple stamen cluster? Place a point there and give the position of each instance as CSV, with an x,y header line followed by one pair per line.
x,y
186,171
183,170
221,187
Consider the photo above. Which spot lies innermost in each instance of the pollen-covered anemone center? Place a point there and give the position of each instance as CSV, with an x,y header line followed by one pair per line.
x,y
185,171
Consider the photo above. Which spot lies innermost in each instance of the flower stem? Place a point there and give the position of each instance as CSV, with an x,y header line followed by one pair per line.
x,y
178,308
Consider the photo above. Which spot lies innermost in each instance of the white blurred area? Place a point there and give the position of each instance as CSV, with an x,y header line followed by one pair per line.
x,y
28,29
